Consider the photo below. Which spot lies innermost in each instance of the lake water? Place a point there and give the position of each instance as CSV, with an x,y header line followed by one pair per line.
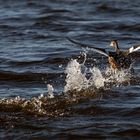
x,y
53,89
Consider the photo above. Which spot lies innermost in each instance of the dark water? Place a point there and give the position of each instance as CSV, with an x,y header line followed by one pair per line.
x,y
34,52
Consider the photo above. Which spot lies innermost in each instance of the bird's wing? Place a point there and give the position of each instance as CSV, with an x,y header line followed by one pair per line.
x,y
99,50
133,49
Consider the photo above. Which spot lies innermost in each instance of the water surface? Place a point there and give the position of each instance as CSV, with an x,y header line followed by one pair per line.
x,y
34,52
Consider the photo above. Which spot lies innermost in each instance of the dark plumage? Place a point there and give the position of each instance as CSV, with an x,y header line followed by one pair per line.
x,y
118,59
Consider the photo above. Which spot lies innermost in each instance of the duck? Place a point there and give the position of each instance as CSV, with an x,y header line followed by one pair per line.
x,y
117,59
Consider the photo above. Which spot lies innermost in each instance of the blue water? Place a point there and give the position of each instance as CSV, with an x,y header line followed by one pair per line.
x,y
34,52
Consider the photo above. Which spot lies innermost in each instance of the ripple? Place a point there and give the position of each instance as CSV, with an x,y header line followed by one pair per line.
x,y
34,52
129,27
28,76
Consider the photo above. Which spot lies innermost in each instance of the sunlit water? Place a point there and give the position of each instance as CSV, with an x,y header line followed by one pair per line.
x,y
51,88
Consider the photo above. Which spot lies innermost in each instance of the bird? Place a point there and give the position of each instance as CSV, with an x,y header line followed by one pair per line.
x,y
117,59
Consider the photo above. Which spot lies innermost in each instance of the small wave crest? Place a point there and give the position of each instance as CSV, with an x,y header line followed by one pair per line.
x,y
18,104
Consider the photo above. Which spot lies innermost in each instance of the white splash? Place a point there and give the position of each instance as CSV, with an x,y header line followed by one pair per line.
x,y
75,79
119,75
97,79
50,91
76,76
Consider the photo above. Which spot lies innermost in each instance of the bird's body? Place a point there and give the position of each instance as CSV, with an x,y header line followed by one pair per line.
x,y
117,59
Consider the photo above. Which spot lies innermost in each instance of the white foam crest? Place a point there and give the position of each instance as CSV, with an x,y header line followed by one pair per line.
x,y
34,105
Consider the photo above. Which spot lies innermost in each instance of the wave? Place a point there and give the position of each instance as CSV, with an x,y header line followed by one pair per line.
x,y
28,76
129,27
131,132
82,84
84,102
108,8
